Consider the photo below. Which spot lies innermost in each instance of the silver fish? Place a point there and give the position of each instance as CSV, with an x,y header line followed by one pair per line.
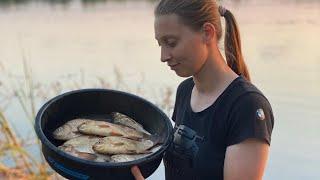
x,y
83,143
132,157
127,157
72,151
82,146
102,128
84,155
69,130
123,119
121,145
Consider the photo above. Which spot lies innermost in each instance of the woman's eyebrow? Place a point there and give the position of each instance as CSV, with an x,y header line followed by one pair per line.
x,y
166,37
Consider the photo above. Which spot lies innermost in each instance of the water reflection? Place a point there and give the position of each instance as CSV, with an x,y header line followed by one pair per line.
x,y
84,3
279,43
5,3
9,3
19,2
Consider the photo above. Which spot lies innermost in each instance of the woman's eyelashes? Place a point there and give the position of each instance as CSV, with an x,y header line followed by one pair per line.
x,y
171,44
168,43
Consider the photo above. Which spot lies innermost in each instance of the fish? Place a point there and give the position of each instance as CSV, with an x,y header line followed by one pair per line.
x,y
103,128
127,157
72,151
69,130
155,148
84,155
132,157
83,143
119,145
82,146
125,120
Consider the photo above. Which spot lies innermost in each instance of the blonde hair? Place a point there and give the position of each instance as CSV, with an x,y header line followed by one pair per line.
x,y
194,13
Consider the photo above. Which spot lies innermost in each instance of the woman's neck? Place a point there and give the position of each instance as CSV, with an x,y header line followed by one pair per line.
x,y
214,76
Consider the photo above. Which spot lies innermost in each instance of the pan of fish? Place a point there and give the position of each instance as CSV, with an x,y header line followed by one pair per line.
x,y
102,133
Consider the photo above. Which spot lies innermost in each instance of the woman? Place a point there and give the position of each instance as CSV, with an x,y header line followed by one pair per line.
x,y
223,123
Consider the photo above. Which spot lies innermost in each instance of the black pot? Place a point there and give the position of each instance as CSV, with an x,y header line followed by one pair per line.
x,y
97,104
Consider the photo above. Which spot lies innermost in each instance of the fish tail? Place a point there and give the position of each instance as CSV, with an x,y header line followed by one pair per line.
x,y
87,156
156,139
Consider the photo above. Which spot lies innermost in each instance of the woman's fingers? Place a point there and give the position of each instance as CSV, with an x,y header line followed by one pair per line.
x,y
136,173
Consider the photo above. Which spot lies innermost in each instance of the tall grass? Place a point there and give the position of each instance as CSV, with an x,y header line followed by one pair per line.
x,y
30,95
13,146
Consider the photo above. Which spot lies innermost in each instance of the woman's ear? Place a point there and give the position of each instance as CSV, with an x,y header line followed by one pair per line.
x,y
208,32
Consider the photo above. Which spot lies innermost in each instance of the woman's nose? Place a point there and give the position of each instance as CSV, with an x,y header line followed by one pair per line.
x,y
165,55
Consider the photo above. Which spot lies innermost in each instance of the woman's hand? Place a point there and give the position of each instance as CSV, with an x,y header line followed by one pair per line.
x,y
136,173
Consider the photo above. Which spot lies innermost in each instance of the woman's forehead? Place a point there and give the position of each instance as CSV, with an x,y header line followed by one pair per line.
x,y
167,25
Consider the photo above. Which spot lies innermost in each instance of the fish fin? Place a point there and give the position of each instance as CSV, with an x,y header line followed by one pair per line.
x,y
87,156
104,126
156,139
118,143
133,138
113,133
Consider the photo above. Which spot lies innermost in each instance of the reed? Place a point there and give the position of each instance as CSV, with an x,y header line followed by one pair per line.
x,y
13,145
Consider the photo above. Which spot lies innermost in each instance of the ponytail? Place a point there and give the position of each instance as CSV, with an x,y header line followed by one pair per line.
x,y
232,45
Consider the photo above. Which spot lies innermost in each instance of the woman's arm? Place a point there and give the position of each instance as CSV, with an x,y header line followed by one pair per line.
x,y
246,160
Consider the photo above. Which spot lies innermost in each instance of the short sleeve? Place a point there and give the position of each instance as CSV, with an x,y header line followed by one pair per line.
x,y
251,117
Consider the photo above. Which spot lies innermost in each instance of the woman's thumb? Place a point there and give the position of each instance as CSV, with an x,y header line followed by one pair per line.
x,y
136,173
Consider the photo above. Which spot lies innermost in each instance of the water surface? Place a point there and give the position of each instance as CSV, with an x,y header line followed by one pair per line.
x,y
280,44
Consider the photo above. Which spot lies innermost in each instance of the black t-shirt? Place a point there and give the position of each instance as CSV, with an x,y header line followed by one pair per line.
x,y
239,113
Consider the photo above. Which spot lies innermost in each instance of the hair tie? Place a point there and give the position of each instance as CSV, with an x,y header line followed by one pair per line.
x,y
222,10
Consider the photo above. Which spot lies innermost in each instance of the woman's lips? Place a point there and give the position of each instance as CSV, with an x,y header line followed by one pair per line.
x,y
173,66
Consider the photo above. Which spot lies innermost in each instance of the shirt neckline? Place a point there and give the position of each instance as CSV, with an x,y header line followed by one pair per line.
x,y
215,102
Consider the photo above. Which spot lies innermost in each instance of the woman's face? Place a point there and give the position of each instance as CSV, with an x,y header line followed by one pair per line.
x,y
183,49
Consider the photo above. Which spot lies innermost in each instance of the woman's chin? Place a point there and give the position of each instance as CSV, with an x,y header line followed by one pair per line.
x,y
183,74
